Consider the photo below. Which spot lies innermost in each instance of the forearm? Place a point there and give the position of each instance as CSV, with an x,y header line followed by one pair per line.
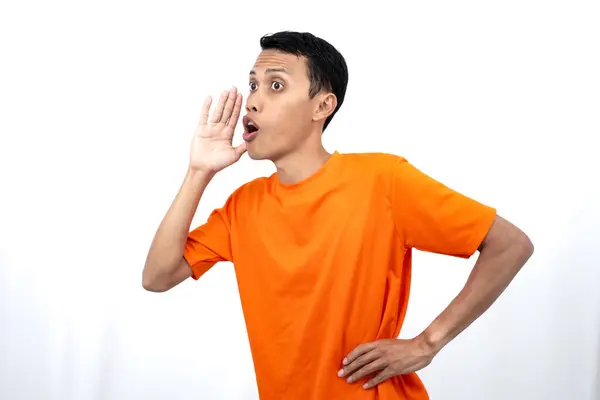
x,y
496,266
167,247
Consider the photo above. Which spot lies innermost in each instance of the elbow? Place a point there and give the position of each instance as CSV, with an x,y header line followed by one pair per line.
x,y
527,246
505,236
508,241
152,287
150,282
523,248
148,285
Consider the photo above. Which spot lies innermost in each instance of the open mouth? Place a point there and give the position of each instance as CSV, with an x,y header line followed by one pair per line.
x,y
250,128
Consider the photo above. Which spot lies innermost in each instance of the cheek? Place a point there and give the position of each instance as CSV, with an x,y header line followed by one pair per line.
x,y
295,112
288,115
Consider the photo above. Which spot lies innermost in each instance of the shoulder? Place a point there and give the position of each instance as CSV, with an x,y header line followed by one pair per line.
x,y
249,191
376,160
379,165
372,172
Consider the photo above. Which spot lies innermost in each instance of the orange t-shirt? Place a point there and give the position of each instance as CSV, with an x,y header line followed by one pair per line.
x,y
324,265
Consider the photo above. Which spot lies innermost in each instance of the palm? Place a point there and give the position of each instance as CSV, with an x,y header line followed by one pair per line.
x,y
212,148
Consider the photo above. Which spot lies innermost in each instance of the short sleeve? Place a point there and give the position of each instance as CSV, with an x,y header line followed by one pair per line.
x,y
210,242
431,217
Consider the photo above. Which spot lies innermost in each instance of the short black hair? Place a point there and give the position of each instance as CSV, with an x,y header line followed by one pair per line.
x,y
327,69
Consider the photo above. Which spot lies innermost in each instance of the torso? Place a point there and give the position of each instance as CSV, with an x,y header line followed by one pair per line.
x,y
320,270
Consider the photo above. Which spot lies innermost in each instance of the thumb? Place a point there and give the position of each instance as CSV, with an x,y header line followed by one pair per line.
x,y
240,150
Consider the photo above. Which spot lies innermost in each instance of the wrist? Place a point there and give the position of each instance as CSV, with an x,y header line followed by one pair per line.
x,y
433,341
199,175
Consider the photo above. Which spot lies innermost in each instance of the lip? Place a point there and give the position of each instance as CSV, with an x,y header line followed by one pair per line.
x,y
248,136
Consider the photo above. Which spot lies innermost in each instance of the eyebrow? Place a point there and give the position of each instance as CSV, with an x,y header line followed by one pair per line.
x,y
270,70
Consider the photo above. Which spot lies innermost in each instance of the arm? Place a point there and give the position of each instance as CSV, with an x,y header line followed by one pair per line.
x,y
165,265
503,252
430,216
168,260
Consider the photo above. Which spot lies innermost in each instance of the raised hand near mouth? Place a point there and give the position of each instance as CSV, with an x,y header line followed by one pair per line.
x,y
212,149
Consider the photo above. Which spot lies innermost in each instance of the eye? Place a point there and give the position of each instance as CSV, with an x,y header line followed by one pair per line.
x,y
276,85
252,86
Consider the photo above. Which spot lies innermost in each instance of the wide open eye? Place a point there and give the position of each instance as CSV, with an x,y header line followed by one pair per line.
x,y
277,85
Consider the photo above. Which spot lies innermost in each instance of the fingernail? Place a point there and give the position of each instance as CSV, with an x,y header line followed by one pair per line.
x,y
345,361
366,385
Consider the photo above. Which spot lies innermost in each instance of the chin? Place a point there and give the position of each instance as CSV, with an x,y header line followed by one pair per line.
x,y
258,151
256,154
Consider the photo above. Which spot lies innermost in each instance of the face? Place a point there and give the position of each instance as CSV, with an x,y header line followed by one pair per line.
x,y
278,105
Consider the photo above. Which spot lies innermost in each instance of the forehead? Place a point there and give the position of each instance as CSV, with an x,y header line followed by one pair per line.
x,y
274,59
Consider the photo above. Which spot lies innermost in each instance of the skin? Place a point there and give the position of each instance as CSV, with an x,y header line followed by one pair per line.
x,y
290,122
290,134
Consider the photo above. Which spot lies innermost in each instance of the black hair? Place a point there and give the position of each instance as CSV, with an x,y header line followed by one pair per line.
x,y
327,69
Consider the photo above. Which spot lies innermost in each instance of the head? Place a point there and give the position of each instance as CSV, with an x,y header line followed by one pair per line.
x,y
296,86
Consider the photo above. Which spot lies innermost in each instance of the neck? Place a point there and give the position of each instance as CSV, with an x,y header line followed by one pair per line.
x,y
302,163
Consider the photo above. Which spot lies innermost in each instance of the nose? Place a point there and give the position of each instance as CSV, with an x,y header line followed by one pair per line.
x,y
252,103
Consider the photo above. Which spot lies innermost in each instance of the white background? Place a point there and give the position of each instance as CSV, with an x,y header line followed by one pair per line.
x,y
98,102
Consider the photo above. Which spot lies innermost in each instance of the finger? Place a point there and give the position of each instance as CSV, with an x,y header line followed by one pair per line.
x,y
231,99
205,110
359,351
233,120
368,369
240,150
379,378
218,111
359,363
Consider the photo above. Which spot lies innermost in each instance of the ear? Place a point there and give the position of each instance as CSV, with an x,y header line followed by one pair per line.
x,y
326,104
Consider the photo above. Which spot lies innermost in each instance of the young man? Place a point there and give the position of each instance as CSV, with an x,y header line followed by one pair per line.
x,y
322,248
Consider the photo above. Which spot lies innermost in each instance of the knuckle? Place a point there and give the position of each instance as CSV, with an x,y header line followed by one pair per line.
x,y
350,368
358,374
359,361
370,369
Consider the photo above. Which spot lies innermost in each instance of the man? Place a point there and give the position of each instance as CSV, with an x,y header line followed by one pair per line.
x,y
322,248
